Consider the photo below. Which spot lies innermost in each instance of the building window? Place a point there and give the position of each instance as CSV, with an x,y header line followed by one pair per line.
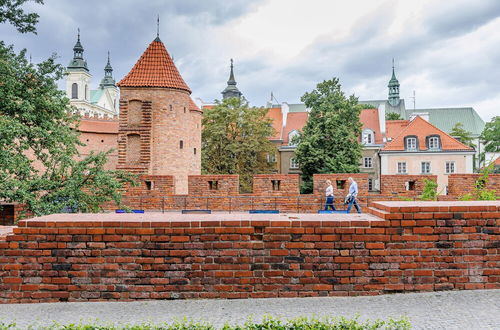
x,y
410,185
450,167
271,158
291,135
340,184
367,162
433,142
411,143
368,136
294,164
74,91
194,150
181,144
370,184
426,167
401,167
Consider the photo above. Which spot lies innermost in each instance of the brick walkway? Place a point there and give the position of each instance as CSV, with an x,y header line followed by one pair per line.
x,y
479,309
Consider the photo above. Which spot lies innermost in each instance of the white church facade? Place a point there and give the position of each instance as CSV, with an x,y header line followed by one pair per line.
x,y
100,102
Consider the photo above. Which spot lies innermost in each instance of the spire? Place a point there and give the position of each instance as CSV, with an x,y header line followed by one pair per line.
x,y
231,89
158,28
78,63
108,80
393,88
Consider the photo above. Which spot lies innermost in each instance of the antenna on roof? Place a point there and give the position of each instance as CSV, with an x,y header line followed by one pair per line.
x,y
158,26
414,97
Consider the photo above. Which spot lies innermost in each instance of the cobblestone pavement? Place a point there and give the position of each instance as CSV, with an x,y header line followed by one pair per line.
x,y
479,309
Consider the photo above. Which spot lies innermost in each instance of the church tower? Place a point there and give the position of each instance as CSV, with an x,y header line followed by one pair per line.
x,y
160,126
231,89
393,89
108,84
77,75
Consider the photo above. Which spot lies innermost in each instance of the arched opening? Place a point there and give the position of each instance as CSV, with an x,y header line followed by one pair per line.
x,y
74,91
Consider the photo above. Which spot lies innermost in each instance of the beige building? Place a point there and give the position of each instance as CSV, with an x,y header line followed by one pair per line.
x,y
419,148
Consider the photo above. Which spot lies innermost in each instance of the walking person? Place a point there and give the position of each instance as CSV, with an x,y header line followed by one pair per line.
x,y
329,196
351,197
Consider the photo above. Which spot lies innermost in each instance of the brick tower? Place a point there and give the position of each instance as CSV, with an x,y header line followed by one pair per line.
x,y
160,125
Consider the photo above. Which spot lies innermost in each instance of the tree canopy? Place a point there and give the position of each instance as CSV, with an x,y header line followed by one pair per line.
x,y
491,135
235,140
392,116
329,142
459,132
11,11
39,141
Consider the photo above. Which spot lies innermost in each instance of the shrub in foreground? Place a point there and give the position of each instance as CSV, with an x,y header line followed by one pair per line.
x,y
268,323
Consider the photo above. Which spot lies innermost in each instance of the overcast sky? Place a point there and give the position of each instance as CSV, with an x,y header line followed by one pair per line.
x,y
448,52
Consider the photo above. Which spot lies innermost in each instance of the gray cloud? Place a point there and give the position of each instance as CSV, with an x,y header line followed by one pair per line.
x,y
198,35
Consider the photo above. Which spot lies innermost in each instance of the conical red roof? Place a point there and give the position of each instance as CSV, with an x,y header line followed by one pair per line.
x,y
155,68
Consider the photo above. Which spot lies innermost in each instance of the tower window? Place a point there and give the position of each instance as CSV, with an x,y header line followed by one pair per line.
x,y
194,151
74,91
171,108
86,92
181,144
184,109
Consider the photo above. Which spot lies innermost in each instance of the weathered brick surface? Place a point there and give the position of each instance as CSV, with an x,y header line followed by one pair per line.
x,y
461,184
213,185
167,131
415,247
404,185
276,185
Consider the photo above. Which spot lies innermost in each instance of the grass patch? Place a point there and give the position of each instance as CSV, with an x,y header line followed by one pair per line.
x,y
268,323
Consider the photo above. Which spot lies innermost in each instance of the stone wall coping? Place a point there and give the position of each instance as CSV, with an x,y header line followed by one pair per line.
x,y
215,219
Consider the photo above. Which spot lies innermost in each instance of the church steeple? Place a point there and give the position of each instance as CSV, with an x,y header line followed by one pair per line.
x,y
108,80
78,63
231,90
393,88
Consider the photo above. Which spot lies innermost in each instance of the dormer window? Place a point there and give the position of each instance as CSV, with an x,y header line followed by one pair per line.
x,y
433,143
411,143
368,136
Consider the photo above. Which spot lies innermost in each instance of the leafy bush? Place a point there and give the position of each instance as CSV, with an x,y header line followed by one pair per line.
x,y
268,323
481,193
429,192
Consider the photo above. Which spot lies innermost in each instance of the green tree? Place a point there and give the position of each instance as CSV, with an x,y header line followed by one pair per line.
x,y
235,140
329,142
38,137
392,116
459,132
491,135
11,11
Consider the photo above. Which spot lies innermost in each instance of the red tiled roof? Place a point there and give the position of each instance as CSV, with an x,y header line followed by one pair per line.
x,y
155,68
97,126
421,128
394,127
294,121
369,119
277,118
497,162
193,106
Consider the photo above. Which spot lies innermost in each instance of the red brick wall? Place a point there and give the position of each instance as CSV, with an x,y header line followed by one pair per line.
x,y
161,185
396,185
222,185
288,184
319,183
87,257
461,184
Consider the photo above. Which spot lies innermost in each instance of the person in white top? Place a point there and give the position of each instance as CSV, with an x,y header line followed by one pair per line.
x,y
329,196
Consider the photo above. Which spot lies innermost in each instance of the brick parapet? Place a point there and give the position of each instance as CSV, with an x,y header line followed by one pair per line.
x,y
213,185
419,246
462,184
276,185
340,184
404,185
